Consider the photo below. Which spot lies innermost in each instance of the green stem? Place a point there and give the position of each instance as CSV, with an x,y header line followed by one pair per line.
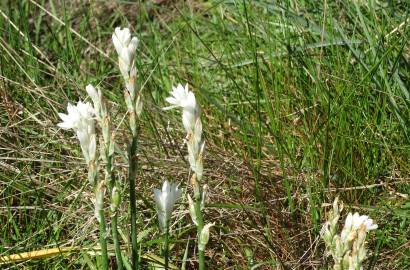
x,y
114,232
114,222
103,241
166,249
132,160
200,221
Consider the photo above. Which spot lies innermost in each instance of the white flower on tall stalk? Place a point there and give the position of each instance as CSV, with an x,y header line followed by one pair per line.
x,y
125,47
181,97
165,200
80,118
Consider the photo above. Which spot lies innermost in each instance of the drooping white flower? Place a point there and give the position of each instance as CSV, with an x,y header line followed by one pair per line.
x,y
125,47
165,200
80,119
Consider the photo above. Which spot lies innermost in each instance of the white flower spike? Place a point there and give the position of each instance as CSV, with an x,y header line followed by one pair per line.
x,y
165,200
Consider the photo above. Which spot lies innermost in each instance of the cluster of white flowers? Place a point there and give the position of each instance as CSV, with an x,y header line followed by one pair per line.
x,y
80,118
185,99
126,46
165,200
347,249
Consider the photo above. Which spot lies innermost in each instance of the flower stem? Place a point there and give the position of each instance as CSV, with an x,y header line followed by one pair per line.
x,y
114,232
132,160
110,179
200,221
99,194
103,241
166,249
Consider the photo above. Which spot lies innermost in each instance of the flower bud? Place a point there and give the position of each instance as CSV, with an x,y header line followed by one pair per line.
x,y
192,211
128,101
115,199
195,186
138,106
99,199
204,195
112,145
204,236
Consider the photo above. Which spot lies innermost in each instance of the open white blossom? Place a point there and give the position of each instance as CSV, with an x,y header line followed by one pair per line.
x,y
165,200
354,222
80,118
181,97
125,47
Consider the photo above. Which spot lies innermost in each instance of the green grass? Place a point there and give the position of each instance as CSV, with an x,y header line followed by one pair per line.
x,y
301,103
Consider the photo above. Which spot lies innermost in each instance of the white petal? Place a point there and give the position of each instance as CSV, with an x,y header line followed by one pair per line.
x,y
172,100
65,125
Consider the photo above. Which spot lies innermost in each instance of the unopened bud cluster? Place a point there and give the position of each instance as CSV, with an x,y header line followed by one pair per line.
x,y
347,249
126,46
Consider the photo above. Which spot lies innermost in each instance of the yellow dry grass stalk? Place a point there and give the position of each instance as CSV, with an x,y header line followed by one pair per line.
x,y
36,254
50,252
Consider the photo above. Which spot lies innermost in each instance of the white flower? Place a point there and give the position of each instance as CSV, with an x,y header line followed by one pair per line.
x,y
181,97
165,200
354,222
122,39
125,47
80,119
